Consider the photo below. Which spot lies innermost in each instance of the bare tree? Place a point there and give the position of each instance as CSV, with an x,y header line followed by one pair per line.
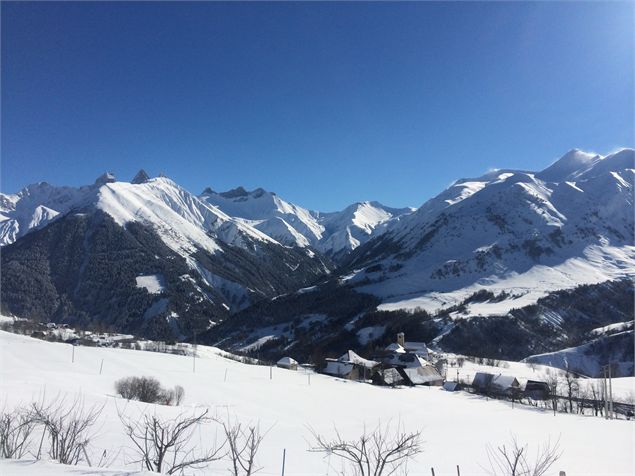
x,y
68,427
243,445
514,459
16,427
179,394
164,445
571,386
379,453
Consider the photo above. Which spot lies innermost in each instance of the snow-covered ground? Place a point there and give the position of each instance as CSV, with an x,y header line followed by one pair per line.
x,y
153,283
623,388
456,426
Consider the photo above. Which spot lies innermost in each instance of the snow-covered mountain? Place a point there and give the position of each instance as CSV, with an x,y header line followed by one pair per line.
x,y
525,233
334,234
267,212
148,252
514,246
152,229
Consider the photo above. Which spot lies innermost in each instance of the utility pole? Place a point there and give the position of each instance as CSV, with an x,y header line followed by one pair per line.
x,y
194,354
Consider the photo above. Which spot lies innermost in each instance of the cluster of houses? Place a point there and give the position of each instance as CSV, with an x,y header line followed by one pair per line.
x,y
409,363
401,363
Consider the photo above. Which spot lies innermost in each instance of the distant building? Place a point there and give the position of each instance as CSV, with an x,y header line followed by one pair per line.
x,y
537,390
410,362
505,384
287,363
403,346
388,377
395,347
350,366
451,386
421,375
484,382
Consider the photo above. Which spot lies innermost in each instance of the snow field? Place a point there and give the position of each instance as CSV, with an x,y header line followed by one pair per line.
x,y
456,426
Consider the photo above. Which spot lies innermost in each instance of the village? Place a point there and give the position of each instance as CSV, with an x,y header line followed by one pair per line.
x,y
402,364
406,363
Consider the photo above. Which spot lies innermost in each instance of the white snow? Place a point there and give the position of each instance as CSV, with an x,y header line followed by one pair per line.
x,y
478,234
611,328
288,223
153,283
456,426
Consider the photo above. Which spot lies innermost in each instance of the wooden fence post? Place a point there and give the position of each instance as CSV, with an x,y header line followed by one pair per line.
x,y
284,459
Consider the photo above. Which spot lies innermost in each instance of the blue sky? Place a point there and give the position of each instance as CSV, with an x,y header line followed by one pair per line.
x,y
323,103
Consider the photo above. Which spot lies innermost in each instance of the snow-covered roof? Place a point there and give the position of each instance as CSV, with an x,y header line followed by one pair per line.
x,y
394,347
353,358
406,359
421,375
416,347
505,381
337,368
287,361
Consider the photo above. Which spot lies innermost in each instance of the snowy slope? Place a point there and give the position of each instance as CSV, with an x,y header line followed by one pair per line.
x,y
228,263
333,233
357,224
456,426
35,206
266,211
522,232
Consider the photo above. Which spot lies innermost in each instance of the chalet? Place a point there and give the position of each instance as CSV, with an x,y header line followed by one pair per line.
x,y
395,348
536,390
422,374
485,382
341,369
389,376
482,382
505,384
451,386
287,363
350,366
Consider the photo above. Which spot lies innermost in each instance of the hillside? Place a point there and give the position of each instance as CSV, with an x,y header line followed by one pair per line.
x,y
591,446
90,263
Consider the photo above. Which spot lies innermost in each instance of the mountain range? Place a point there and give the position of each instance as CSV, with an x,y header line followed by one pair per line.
x,y
148,256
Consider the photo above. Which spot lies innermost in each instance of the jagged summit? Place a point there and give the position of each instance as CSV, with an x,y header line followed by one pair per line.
x,y
235,193
141,177
106,177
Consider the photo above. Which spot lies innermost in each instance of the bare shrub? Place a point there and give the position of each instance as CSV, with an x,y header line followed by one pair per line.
x,y
148,390
243,443
16,427
514,459
179,394
381,452
67,426
164,445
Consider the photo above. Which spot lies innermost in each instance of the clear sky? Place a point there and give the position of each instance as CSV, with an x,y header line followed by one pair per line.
x,y
323,103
